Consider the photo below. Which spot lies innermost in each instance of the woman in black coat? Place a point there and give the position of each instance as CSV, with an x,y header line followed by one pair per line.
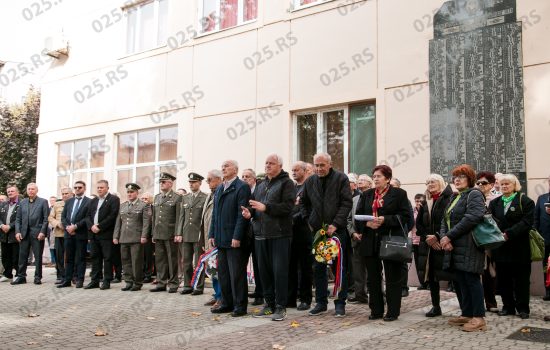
x,y
391,209
514,214
428,224
464,212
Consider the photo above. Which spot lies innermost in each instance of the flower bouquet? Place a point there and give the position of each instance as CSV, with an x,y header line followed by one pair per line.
x,y
326,249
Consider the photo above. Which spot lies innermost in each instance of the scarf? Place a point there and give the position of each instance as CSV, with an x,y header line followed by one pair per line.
x,y
435,196
507,200
378,200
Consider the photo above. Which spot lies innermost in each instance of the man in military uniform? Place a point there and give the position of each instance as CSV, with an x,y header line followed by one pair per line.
x,y
189,233
131,229
166,208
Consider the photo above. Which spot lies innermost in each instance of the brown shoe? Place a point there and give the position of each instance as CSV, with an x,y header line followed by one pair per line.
x,y
210,302
475,324
459,321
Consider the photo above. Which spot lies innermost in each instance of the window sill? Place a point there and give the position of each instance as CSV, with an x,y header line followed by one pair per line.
x,y
308,6
202,35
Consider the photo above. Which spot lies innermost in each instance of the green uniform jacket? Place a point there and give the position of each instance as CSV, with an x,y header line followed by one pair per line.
x,y
166,210
189,223
132,223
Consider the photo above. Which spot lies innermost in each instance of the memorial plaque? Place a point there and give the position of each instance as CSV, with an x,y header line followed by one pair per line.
x,y
476,88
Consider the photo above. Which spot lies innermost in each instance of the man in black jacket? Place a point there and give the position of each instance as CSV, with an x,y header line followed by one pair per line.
x,y
73,219
101,223
327,201
10,246
271,212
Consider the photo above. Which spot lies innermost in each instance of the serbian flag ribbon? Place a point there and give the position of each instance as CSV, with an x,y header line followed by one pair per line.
x,y
338,278
201,266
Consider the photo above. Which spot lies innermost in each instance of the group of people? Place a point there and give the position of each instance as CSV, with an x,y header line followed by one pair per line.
x,y
273,220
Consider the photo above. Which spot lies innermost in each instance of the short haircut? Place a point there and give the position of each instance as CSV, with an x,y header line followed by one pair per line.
x,y
278,157
324,155
365,177
216,173
397,180
301,165
66,189
384,169
419,195
488,175
104,182
12,186
513,179
33,184
80,182
251,172
234,163
466,170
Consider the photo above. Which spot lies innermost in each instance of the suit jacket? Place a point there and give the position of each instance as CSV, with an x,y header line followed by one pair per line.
x,y
132,224
106,219
165,215
80,220
54,219
542,218
396,204
227,220
189,222
206,219
32,221
8,237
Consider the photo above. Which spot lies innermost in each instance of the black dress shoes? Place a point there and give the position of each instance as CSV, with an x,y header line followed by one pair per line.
x,y
238,313
105,285
37,281
435,311
59,281
19,280
92,285
128,286
523,315
135,288
375,317
158,289
79,284
390,318
221,309
505,312
197,292
116,280
64,285
172,289
303,306
186,291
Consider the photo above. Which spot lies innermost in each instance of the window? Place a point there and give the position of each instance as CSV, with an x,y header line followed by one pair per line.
x,y
222,14
299,4
147,26
347,133
81,160
142,155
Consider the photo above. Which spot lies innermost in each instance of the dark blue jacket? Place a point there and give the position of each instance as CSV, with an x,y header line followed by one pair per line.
x,y
80,218
227,220
542,218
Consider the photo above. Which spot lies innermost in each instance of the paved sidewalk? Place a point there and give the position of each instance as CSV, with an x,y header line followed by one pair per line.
x,y
68,318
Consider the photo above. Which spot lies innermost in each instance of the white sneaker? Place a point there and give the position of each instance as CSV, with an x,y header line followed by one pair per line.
x,y
4,279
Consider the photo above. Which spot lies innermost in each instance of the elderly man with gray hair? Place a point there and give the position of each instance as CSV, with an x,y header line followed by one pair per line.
x,y
271,213
327,201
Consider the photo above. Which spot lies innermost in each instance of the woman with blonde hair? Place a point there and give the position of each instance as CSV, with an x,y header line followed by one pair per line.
x,y
514,214
428,224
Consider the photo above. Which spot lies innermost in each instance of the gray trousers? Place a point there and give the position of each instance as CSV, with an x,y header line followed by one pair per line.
x,y
166,261
132,263
359,269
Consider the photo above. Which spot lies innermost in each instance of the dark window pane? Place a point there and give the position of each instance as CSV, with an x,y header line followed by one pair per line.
x,y
362,144
334,137
307,137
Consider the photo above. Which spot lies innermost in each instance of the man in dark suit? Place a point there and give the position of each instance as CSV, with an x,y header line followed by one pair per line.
x,y
74,220
10,246
31,226
101,223
542,224
227,232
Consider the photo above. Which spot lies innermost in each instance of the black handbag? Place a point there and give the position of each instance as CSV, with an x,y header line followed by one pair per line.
x,y
396,247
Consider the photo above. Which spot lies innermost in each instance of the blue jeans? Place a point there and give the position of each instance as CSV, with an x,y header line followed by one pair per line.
x,y
217,291
321,279
52,256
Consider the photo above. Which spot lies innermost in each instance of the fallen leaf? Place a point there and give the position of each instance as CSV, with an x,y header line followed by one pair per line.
x,y
151,318
345,324
321,332
195,314
100,333
427,336
278,347
31,343
217,318
255,310
48,335
32,314
294,324
525,330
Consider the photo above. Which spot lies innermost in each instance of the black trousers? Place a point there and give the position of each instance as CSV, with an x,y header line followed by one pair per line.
x,y
76,256
60,257
393,273
232,278
273,259
469,292
514,280
10,257
149,259
117,261
300,274
433,282
251,250
489,286
102,255
25,247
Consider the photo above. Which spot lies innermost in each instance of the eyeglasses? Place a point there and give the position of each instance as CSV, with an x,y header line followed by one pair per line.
x,y
460,177
482,183
78,187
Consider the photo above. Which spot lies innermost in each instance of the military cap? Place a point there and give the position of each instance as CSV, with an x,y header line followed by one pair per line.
x,y
132,187
167,176
195,177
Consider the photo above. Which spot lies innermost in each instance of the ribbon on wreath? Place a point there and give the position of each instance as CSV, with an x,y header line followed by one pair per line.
x,y
202,265
338,278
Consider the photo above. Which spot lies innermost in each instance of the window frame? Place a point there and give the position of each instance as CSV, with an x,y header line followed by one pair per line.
x,y
89,171
240,17
157,164
137,7
297,7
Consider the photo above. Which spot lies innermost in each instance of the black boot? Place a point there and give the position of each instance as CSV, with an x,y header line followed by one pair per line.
x,y
547,296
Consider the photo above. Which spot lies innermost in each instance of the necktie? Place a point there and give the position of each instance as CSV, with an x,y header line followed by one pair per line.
x,y
76,207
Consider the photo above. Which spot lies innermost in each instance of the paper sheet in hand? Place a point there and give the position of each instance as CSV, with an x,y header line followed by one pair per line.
x,y
364,217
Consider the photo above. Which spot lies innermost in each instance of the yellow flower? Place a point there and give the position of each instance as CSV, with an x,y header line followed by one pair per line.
x,y
319,258
322,232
